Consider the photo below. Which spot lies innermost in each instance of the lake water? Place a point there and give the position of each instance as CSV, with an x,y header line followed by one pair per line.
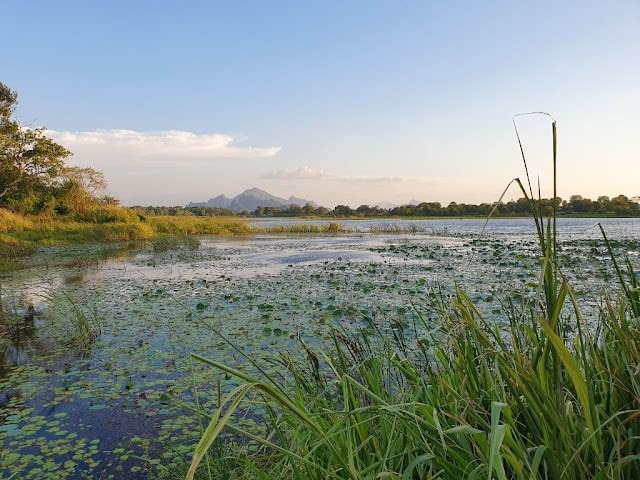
x,y
115,409
627,228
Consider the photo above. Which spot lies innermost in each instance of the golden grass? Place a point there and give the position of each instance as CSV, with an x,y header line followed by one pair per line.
x,y
19,234
167,225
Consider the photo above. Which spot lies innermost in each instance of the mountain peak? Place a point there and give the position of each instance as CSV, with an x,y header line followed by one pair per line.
x,y
250,200
259,194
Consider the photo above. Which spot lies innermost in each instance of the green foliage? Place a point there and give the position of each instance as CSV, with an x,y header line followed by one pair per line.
x,y
30,163
74,325
620,206
304,228
106,214
20,234
34,178
189,225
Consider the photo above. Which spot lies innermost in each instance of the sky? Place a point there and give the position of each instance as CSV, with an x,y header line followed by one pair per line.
x,y
337,101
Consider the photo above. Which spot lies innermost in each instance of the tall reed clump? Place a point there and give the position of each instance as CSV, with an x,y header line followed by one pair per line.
x,y
188,225
74,325
546,396
304,228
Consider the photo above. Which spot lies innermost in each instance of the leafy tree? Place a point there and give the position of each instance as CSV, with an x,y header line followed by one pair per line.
x,y
31,165
342,211
33,174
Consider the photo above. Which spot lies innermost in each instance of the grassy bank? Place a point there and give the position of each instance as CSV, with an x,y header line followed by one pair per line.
x,y
20,235
546,395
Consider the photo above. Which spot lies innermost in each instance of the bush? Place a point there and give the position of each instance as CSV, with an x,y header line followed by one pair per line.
x,y
106,214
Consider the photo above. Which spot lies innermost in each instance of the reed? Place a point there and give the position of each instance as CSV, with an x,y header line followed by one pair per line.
x,y
73,325
191,225
549,395
303,228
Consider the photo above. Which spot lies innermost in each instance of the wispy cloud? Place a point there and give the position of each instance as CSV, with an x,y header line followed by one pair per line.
x,y
170,143
302,173
306,173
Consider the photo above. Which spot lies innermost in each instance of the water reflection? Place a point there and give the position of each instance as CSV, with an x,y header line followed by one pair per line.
x,y
17,332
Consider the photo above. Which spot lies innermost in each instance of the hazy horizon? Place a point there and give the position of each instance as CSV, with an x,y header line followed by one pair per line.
x,y
371,204
346,103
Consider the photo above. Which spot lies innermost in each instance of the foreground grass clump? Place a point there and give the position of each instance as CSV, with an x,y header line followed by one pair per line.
x,y
466,401
549,395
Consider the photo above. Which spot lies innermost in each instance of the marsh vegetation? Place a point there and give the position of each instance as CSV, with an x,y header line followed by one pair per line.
x,y
136,393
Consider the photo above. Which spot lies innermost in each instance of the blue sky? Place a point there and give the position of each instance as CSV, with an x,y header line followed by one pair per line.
x,y
341,102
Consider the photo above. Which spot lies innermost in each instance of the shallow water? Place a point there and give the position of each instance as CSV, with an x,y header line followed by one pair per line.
x,y
114,410
573,228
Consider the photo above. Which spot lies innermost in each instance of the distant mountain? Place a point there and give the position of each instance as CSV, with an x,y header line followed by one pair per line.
x,y
251,199
220,202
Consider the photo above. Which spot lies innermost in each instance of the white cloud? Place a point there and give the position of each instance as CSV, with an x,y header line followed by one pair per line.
x,y
306,173
372,179
302,173
170,143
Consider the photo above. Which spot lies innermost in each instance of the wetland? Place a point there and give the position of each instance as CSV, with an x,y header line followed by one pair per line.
x,y
97,379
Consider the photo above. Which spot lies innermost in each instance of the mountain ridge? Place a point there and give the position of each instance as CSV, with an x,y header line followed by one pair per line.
x,y
250,200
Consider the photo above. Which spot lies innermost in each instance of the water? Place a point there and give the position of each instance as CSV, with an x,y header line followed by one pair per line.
x,y
583,228
114,410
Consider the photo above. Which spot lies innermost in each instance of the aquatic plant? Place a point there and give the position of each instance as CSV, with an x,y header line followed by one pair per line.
x,y
174,242
303,228
73,324
545,396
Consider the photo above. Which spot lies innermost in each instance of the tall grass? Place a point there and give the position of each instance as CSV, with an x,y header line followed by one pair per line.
x,y
303,228
21,235
198,225
74,325
546,396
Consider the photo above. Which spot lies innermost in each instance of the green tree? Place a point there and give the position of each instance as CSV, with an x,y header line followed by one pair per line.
x,y
343,211
31,165
623,206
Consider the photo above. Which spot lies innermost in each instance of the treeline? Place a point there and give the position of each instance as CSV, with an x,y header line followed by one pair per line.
x,y
179,211
620,206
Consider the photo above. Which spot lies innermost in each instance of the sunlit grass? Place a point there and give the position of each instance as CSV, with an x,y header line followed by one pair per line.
x,y
188,225
303,228
20,235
